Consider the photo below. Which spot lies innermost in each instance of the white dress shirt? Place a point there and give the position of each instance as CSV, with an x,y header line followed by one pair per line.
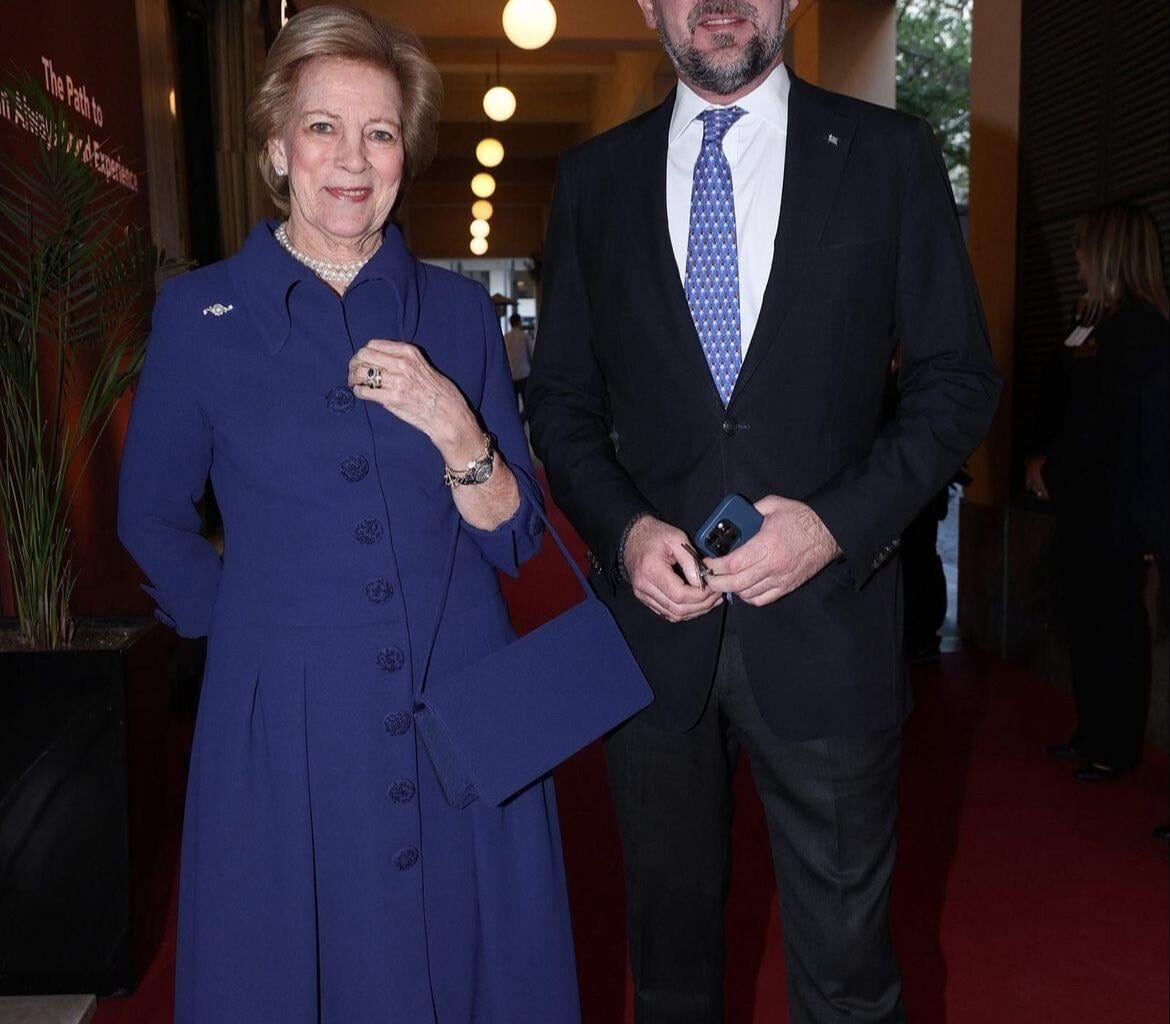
x,y
754,147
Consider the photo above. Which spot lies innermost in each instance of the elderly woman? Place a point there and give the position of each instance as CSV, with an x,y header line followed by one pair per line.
x,y
354,409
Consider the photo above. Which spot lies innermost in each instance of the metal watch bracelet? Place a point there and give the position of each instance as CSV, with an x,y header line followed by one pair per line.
x,y
478,471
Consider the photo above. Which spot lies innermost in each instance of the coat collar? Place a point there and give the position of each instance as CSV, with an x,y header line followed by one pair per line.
x,y
270,276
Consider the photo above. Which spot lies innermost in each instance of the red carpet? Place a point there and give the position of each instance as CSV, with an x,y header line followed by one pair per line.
x,y
1021,896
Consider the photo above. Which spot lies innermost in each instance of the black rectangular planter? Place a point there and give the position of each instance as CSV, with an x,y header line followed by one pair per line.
x,y
66,911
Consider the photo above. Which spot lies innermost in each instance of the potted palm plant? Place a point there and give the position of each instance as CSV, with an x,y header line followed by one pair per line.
x,y
76,283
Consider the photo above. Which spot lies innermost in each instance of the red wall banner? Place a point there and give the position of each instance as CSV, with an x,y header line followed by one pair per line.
x,y
84,55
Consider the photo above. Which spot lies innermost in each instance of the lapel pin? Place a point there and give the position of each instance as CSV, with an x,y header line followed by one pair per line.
x,y
832,139
218,309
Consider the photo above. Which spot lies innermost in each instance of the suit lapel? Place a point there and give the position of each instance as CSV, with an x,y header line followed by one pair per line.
x,y
640,161
814,158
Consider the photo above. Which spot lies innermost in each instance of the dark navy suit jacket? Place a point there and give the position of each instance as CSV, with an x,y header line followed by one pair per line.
x,y
868,254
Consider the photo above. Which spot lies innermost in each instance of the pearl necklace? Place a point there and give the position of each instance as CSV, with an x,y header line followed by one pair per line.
x,y
334,273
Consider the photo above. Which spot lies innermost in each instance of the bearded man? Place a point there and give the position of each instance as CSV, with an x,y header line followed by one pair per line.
x,y
727,278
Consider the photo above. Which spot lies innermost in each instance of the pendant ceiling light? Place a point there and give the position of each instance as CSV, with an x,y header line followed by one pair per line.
x,y
481,209
490,152
499,103
483,185
529,23
478,246
480,229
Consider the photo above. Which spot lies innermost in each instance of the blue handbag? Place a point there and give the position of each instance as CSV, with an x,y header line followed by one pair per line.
x,y
497,726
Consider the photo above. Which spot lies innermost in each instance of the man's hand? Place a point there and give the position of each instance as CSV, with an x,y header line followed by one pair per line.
x,y
1034,477
653,548
791,547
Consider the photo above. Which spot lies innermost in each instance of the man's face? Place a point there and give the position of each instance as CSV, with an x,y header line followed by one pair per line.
x,y
720,46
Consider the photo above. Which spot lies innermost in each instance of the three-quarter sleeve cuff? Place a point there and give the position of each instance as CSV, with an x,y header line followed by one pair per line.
x,y
515,540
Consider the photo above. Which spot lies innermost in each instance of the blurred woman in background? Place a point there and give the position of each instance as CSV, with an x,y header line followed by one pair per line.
x,y
1107,473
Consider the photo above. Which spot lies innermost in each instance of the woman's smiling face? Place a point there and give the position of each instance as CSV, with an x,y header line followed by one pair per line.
x,y
342,151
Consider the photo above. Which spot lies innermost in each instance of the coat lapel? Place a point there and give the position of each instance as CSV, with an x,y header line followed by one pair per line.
x,y
814,158
640,161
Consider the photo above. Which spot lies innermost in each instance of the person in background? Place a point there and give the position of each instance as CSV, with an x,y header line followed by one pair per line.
x,y
924,581
1106,474
518,342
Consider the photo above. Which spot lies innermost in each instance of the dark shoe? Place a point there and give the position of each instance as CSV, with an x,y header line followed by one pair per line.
x,y
1098,773
1162,832
928,649
1064,751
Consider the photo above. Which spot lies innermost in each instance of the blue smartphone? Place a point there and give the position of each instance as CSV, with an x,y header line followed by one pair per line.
x,y
734,521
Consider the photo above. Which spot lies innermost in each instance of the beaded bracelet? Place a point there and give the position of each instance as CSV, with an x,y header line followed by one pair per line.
x,y
622,572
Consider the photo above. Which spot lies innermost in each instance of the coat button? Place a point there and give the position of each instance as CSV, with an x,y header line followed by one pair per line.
x,y
391,659
339,399
354,468
406,858
397,723
379,589
402,791
729,426
368,531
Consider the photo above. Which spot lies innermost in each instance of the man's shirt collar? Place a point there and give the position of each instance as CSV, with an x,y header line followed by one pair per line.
x,y
767,101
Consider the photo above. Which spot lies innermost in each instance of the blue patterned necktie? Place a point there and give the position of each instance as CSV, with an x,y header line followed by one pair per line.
x,y
712,278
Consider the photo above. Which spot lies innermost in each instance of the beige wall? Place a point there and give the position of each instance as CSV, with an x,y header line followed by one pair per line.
x,y
995,105
847,46
165,179
639,80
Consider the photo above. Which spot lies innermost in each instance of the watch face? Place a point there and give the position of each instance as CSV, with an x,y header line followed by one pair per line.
x,y
481,471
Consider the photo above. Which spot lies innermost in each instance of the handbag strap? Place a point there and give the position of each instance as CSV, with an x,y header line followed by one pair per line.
x,y
448,572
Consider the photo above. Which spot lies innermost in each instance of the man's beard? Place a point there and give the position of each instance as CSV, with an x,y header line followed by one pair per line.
x,y
700,70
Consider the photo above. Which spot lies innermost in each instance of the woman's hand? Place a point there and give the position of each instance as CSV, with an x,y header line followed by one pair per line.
x,y
418,394
1034,477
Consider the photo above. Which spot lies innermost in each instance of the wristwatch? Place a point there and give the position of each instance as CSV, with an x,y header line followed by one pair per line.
x,y
478,471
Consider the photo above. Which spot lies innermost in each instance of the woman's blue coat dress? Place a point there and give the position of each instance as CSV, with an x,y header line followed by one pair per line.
x,y
324,877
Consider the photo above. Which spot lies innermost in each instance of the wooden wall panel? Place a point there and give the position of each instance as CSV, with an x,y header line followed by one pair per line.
x,y
1094,110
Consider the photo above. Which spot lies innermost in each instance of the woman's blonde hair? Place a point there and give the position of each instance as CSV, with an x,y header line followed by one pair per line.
x,y
342,33
1121,251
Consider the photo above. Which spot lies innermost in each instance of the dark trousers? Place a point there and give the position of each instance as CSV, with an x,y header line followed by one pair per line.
x,y
831,806
1109,643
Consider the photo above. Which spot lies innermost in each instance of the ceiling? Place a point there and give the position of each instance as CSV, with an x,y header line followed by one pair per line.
x,y
602,66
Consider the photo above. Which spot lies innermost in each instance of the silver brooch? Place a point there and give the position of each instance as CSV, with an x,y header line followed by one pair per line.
x,y
833,140
218,309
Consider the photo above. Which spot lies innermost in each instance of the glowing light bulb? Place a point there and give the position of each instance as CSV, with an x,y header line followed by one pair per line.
x,y
481,209
483,185
480,229
478,246
530,23
490,152
499,103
